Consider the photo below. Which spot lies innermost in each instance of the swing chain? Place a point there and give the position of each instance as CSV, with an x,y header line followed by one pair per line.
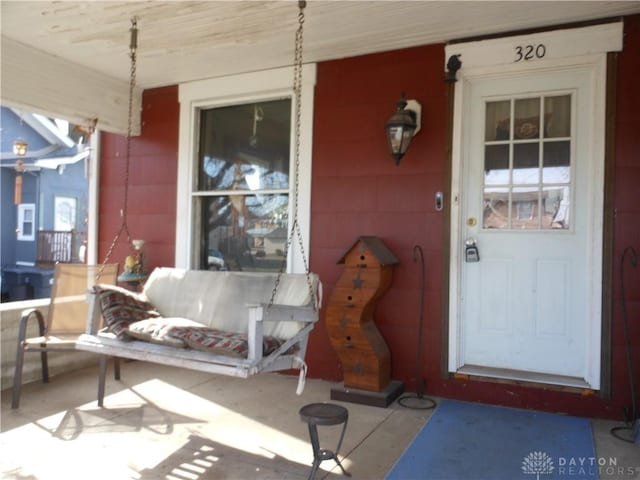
x,y
133,47
295,226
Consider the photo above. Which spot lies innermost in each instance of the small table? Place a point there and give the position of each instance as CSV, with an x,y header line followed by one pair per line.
x,y
133,279
316,414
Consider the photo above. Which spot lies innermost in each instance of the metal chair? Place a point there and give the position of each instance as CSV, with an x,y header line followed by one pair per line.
x,y
66,318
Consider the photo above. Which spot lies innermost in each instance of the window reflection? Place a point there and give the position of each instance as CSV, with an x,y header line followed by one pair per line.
x,y
527,176
524,214
525,211
245,147
556,154
525,163
496,208
556,207
243,186
497,121
496,164
224,175
526,122
244,232
558,110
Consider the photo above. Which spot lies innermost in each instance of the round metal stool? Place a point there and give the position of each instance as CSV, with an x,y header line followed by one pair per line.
x,y
316,414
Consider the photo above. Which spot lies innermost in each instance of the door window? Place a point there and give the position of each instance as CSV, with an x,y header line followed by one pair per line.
x,y
527,163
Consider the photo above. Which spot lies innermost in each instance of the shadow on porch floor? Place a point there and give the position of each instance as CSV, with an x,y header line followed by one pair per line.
x,y
166,423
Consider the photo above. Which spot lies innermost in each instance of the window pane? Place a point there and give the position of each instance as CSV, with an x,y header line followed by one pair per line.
x,y
524,209
497,120
557,154
557,114
556,161
525,163
244,232
527,118
496,164
245,147
496,208
27,228
556,202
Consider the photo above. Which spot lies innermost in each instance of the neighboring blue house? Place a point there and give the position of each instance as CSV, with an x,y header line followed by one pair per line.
x,y
46,222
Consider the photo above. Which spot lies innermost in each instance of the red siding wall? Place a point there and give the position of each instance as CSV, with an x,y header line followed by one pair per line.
x,y
358,190
627,214
152,182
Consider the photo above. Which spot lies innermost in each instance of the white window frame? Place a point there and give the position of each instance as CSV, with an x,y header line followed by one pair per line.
x,y
23,208
233,90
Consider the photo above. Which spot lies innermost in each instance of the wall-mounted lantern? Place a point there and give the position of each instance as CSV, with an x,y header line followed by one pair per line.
x,y
402,126
20,147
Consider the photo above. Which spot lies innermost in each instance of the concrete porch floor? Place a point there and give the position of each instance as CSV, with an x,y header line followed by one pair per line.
x,y
166,423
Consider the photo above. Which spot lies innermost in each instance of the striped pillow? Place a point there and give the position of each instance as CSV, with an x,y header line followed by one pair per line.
x,y
121,307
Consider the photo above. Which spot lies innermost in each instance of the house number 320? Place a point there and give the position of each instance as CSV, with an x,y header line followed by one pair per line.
x,y
530,52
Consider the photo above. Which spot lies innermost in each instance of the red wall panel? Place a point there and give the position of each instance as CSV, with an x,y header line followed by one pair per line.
x,y
626,218
153,167
358,190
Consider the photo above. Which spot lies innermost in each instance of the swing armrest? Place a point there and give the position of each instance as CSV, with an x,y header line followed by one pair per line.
x,y
278,313
259,313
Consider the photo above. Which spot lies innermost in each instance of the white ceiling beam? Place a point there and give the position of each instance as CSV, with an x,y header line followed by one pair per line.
x,y
45,127
38,82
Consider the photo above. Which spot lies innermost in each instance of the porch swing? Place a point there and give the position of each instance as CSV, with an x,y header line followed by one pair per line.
x,y
223,322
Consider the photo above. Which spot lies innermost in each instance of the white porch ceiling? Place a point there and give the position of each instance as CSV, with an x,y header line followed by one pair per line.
x,y
181,41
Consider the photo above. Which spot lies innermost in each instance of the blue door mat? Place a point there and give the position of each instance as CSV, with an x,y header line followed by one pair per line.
x,y
468,441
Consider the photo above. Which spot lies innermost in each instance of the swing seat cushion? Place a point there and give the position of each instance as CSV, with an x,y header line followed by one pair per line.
x,y
203,310
164,331
225,343
182,332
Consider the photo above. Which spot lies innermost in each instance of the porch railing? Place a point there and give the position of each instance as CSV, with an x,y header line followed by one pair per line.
x,y
59,247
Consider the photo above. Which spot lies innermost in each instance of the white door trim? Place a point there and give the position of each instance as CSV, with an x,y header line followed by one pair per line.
x,y
565,50
562,45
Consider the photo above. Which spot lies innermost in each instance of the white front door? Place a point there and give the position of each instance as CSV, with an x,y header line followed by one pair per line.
x,y
529,203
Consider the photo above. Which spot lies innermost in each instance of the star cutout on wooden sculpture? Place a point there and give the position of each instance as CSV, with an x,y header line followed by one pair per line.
x,y
357,282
